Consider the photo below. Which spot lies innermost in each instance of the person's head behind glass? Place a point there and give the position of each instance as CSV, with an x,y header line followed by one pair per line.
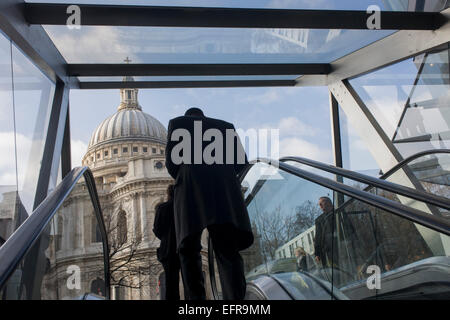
x,y
325,204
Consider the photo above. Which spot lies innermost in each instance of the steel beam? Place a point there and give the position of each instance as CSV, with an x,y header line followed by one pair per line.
x,y
33,41
186,84
110,70
170,16
66,153
53,143
394,48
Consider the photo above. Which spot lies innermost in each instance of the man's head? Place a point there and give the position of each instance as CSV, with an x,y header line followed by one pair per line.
x,y
325,204
196,112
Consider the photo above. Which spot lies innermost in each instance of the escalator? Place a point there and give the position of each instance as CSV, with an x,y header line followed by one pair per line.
x,y
61,250
396,227
370,238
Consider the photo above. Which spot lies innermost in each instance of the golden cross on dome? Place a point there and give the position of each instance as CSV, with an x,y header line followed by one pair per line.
x,y
127,60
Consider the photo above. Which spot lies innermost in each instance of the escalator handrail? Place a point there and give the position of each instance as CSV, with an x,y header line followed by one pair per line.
x,y
414,215
22,240
406,161
375,182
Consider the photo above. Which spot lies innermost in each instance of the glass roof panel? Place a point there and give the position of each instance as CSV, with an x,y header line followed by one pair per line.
x,y
105,44
387,5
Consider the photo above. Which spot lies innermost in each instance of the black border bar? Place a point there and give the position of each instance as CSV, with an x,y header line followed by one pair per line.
x,y
185,84
121,70
170,16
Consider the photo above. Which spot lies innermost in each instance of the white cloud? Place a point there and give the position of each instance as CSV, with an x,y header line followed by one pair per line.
x,y
302,148
78,150
269,96
91,44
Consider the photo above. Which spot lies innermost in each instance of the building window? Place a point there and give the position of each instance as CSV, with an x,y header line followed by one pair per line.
x,y
96,236
106,153
144,149
59,231
154,150
162,151
115,151
98,155
125,150
135,149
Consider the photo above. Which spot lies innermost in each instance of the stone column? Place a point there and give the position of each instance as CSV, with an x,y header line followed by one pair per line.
x,y
135,216
144,220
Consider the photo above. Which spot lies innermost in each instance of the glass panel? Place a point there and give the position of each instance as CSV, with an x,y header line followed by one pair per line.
x,y
301,233
410,101
430,173
356,155
65,262
284,210
105,44
9,202
380,255
391,5
33,97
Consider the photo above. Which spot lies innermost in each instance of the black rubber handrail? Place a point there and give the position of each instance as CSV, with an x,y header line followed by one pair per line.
x,y
22,240
414,215
412,158
375,182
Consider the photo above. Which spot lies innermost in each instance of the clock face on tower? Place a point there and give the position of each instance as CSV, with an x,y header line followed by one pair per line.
x,y
159,165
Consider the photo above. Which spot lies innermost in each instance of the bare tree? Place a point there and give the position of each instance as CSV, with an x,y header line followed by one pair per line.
x,y
305,216
130,266
274,229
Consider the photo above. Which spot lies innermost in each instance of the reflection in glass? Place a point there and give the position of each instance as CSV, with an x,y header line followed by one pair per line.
x,y
33,97
410,101
304,231
207,45
8,180
66,261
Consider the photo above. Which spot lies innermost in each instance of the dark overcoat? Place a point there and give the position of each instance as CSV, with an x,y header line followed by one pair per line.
x,y
207,194
164,229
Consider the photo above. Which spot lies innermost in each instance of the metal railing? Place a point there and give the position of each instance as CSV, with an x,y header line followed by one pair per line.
x,y
22,240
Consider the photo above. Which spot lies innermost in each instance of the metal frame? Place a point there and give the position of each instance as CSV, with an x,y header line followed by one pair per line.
x,y
66,158
365,124
170,16
185,84
53,142
33,41
335,131
235,69
394,48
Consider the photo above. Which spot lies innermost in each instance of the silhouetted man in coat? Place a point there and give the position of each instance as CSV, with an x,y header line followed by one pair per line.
x,y
204,156
164,229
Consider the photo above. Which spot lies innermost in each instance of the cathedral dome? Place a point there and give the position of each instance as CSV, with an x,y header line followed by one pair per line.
x,y
128,123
